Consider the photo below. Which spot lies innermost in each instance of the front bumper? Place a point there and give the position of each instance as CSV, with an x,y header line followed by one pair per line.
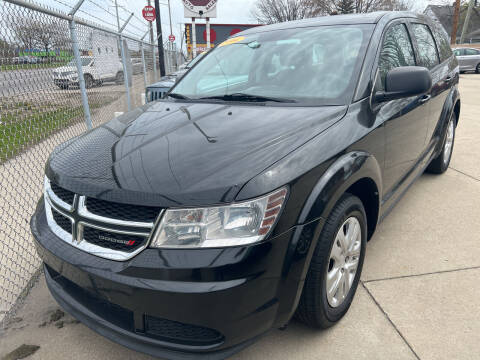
x,y
204,303
64,82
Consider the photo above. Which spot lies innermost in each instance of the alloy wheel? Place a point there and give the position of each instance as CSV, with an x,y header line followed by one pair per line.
x,y
447,149
343,261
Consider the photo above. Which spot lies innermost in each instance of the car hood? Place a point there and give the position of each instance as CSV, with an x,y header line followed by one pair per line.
x,y
175,154
65,69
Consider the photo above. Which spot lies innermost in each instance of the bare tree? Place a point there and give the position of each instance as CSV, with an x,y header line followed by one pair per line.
x,y
30,33
273,11
24,30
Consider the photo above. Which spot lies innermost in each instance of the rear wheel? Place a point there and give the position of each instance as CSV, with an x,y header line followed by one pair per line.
x,y
89,81
477,69
336,265
440,164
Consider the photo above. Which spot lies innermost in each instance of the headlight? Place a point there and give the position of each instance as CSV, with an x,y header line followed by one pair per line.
x,y
236,224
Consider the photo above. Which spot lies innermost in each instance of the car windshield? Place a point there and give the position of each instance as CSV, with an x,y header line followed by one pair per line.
x,y
316,65
191,63
85,62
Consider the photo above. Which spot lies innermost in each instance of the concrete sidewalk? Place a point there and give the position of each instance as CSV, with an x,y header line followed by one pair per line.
x,y
419,297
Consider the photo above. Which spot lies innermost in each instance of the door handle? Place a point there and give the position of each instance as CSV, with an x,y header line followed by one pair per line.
x,y
448,79
424,99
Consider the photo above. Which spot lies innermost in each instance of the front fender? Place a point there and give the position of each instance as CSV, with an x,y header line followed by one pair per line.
x,y
343,173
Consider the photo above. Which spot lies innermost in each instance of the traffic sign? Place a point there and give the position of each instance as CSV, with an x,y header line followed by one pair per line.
x,y
148,13
171,38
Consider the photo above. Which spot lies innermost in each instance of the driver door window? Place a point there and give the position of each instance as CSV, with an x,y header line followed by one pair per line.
x,y
397,51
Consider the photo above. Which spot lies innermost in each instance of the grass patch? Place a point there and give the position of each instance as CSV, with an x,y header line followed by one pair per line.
x,y
31,66
16,135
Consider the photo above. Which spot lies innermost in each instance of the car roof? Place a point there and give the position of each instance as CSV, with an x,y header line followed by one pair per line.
x,y
348,19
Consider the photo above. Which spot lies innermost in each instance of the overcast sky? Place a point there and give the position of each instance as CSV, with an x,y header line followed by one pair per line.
x,y
228,11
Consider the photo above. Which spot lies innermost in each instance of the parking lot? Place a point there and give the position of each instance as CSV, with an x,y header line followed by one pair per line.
x,y
418,299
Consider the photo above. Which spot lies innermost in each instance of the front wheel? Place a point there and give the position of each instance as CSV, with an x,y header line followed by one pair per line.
x,y
477,69
119,79
440,164
336,265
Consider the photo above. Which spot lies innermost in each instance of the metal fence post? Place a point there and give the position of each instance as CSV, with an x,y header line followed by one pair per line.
x,y
125,74
144,67
81,80
154,63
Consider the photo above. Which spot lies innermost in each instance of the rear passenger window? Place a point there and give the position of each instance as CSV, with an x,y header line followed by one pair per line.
x,y
397,51
427,50
458,52
471,52
443,44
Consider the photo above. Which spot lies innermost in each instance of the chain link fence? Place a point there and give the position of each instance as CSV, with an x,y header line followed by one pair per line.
x,y
41,106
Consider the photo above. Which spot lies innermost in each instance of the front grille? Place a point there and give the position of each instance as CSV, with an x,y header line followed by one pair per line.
x,y
62,221
107,229
176,332
62,193
156,95
123,212
111,240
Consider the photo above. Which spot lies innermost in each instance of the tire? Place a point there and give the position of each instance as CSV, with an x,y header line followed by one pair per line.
x,y
477,69
119,79
89,82
316,307
440,164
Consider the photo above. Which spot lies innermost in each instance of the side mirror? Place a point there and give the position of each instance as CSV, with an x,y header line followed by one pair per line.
x,y
404,82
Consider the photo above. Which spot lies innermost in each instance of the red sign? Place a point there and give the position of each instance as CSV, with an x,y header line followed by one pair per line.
x,y
171,38
148,13
213,35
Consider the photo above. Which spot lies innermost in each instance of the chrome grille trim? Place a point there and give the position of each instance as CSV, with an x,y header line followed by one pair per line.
x,y
57,230
105,252
48,191
81,218
83,211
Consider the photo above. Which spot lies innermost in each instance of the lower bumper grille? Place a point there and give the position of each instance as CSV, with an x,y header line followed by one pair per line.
x,y
172,331
161,329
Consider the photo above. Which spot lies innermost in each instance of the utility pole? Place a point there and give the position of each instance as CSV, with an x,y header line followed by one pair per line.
x,y
466,22
161,58
453,36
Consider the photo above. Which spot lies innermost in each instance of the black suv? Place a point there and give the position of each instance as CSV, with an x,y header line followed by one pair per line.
x,y
191,226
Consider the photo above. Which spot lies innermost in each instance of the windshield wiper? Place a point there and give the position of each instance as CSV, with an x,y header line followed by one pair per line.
x,y
247,97
178,96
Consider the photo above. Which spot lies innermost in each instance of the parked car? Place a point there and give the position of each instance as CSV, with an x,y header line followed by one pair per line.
x,y
468,59
93,73
191,226
158,90
102,65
